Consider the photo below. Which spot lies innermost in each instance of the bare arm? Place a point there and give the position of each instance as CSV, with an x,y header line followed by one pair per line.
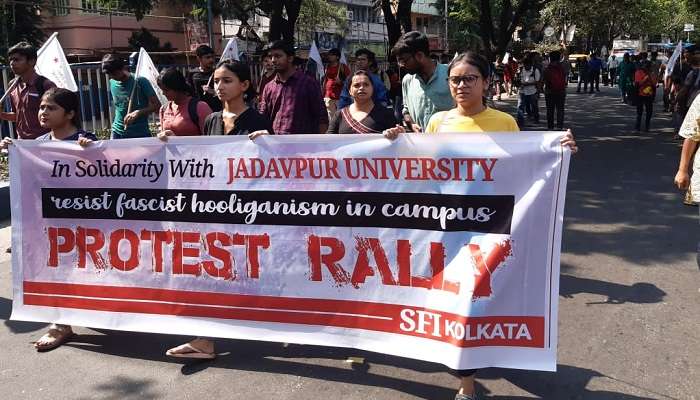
x,y
682,179
8,116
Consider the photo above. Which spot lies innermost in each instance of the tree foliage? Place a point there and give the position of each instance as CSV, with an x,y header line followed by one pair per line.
x,y
599,22
20,22
494,22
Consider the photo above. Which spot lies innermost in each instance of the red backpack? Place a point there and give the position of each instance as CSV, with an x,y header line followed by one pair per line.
x,y
556,79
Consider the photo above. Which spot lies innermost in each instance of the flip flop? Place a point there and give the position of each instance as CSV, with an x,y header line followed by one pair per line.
x,y
188,351
60,336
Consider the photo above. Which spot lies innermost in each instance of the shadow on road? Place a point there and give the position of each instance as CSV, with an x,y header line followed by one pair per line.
x,y
17,326
640,292
567,383
125,388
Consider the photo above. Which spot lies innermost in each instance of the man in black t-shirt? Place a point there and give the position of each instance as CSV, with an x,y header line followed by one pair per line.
x,y
199,78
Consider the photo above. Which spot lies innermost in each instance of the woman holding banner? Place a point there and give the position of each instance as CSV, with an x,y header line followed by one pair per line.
x,y
59,111
362,116
468,81
233,87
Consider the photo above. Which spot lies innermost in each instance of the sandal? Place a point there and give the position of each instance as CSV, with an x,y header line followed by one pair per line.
x,y
56,336
188,351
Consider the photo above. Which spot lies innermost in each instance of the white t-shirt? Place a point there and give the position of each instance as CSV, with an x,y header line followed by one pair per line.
x,y
613,63
689,130
531,76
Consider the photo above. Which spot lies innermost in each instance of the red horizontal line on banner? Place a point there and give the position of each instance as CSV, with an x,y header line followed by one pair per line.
x,y
473,332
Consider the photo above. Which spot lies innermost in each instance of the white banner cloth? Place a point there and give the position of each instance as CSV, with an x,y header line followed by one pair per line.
x,y
442,248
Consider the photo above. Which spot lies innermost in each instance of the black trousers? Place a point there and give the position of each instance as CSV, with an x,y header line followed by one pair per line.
x,y
555,105
644,102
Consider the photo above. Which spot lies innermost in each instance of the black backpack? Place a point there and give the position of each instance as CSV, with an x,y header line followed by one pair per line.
x,y
192,110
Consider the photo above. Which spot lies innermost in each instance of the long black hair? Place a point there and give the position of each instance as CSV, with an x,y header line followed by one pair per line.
x,y
242,71
172,79
67,100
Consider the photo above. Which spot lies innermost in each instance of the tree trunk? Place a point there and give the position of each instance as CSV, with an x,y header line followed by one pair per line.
x,y
276,21
486,28
292,7
393,27
403,13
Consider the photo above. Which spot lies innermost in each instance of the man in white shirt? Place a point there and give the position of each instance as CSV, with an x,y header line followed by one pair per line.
x,y
530,79
613,63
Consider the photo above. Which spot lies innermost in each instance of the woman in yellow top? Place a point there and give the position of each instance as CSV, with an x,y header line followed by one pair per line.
x,y
468,81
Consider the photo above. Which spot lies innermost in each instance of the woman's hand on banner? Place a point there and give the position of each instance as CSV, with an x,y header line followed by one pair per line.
x,y
569,141
254,135
393,133
83,141
164,135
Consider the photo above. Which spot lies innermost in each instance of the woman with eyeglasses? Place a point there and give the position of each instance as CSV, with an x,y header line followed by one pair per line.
x,y
363,115
468,81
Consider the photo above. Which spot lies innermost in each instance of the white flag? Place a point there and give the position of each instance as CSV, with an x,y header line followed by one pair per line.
x,y
315,55
674,58
570,33
506,58
51,62
231,50
343,59
146,69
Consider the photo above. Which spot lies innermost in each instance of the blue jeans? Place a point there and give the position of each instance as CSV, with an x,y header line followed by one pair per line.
x,y
527,103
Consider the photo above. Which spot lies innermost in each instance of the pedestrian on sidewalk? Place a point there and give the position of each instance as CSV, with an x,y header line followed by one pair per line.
x,y
595,66
59,113
582,69
644,85
613,63
468,80
690,132
626,74
527,98
26,95
555,90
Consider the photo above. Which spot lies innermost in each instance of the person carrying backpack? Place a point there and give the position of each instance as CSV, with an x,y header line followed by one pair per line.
x,y
182,115
555,90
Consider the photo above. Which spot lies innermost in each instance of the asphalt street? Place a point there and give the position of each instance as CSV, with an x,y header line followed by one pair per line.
x,y
629,306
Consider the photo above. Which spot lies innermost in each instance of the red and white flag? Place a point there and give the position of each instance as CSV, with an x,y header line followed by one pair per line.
x,y
51,63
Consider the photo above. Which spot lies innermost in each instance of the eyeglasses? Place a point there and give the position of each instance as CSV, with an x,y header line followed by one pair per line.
x,y
468,80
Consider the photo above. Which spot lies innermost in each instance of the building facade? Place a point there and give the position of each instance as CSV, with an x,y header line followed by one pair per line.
x,y
88,27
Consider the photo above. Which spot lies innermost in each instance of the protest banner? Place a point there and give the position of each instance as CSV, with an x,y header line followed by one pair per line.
x,y
443,248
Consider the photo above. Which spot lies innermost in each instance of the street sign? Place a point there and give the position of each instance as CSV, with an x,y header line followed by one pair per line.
x,y
549,31
688,28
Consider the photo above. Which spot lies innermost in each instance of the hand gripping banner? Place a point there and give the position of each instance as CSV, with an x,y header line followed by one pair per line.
x,y
442,248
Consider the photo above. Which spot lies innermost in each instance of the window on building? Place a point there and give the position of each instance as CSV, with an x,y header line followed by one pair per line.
x,y
102,7
60,7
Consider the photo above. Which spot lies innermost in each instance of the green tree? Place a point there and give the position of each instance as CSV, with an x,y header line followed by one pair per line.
x,y
20,22
494,22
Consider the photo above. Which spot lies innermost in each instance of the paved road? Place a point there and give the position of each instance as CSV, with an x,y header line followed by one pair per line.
x,y
629,315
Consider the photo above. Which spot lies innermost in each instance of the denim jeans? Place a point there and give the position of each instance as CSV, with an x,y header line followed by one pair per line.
x,y
527,103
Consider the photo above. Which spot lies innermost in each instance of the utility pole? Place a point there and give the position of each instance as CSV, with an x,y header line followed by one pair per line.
x,y
446,31
210,23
